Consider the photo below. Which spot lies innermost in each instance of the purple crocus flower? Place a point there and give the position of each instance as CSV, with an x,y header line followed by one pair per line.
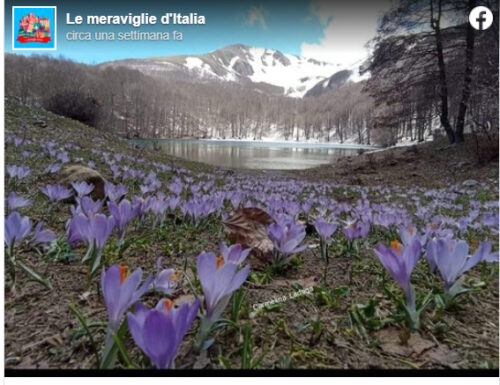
x,y
15,201
115,192
101,228
452,259
87,206
56,192
63,157
41,235
491,220
409,233
17,229
236,199
384,219
286,236
173,203
158,205
116,171
218,280
78,229
399,261
159,332
94,232
123,213
82,188
18,172
193,208
165,280
145,189
176,187
431,254
359,229
52,168
486,254
120,291
140,206
324,229
233,254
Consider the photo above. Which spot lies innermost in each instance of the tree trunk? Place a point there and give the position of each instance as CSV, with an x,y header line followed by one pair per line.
x,y
469,64
443,88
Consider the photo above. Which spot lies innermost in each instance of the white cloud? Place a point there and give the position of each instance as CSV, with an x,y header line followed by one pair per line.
x,y
256,15
348,26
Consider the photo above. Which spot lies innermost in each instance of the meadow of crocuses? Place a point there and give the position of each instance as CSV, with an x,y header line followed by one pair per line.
x,y
146,278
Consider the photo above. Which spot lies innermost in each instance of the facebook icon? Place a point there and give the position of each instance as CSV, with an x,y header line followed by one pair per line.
x,y
481,18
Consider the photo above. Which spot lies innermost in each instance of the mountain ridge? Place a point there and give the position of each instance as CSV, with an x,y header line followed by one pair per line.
x,y
269,70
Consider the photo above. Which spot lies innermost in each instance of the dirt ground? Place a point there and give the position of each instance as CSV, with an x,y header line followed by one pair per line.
x,y
431,164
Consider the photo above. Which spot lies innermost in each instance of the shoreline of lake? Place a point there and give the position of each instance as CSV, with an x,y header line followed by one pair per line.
x,y
262,155
266,143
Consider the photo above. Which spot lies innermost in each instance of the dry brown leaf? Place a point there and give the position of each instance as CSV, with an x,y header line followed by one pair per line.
x,y
391,343
419,345
248,226
79,173
442,355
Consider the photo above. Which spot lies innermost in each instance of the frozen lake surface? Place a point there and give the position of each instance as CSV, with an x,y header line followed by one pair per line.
x,y
254,154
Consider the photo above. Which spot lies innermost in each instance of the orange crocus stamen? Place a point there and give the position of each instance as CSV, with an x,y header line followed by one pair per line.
x,y
220,261
168,304
411,230
123,273
175,276
396,246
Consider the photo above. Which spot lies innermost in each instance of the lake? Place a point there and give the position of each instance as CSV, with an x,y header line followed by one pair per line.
x,y
253,154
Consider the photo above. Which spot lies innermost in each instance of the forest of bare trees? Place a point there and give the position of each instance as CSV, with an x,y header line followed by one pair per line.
x,y
136,105
434,78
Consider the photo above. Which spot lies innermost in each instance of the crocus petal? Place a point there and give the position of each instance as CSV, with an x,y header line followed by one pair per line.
x,y
159,338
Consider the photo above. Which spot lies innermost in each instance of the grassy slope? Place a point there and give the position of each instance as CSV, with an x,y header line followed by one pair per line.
x,y
315,331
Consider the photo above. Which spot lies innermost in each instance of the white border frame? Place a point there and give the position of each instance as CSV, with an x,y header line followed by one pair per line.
x,y
54,29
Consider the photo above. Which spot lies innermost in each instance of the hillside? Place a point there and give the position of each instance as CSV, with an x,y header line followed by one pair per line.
x,y
342,315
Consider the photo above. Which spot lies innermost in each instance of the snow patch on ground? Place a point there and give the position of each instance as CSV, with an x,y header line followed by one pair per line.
x,y
405,142
274,136
272,140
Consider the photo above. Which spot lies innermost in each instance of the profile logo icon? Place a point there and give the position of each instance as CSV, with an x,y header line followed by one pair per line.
x,y
34,28
481,18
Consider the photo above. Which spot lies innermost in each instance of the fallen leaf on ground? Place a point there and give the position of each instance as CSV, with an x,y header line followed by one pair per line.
x,y
391,343
419,344
248,226
442,355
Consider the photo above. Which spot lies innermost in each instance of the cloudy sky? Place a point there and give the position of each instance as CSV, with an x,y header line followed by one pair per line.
x,y
334,31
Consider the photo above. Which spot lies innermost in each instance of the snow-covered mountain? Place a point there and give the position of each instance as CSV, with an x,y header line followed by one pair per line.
x,y
339,78
268,69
